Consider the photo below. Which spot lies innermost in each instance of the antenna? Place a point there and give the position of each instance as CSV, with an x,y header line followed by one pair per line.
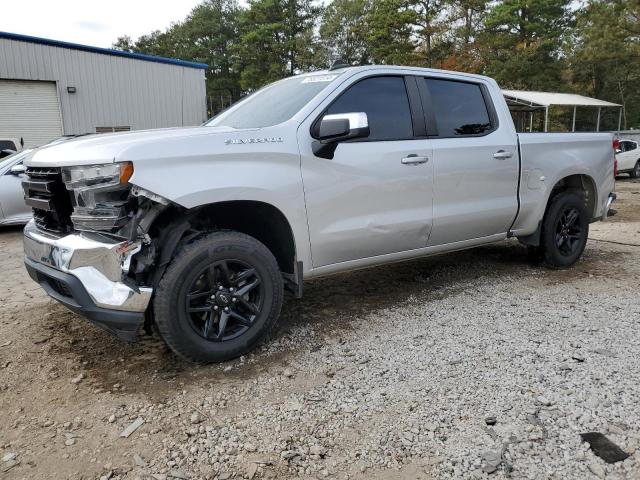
x,y
338,63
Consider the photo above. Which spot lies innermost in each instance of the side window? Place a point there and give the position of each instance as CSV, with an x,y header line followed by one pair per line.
x,y
459,108
7,145
631,146
385,101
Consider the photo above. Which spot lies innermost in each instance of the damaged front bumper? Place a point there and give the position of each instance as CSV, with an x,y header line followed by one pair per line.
x,y
86,273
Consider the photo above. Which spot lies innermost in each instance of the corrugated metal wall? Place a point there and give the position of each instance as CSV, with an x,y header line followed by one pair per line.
x,y
110,91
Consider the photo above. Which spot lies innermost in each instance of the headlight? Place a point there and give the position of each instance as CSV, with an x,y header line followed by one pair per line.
x,y
99,195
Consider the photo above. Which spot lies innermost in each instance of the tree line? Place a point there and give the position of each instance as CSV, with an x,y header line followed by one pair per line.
x,y
590,47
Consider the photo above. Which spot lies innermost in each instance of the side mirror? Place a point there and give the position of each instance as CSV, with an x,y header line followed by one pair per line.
x,y
337,128
618,150
18,169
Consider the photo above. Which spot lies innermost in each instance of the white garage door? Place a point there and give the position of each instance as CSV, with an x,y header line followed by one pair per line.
x,y
29,110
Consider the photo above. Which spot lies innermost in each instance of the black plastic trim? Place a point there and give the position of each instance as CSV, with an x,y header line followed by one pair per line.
x,y
123,325
415,105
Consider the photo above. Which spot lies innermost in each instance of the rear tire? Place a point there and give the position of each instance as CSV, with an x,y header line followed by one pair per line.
x,y
635,173
565,229
219,297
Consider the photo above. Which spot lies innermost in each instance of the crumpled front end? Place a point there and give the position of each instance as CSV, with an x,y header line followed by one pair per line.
x,y
87,273
89,225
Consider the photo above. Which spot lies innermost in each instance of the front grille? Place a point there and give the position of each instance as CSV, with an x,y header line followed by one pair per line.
x,y
46,193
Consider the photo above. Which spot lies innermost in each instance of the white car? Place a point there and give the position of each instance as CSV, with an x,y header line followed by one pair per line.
x,y
9,146
628,156
13,209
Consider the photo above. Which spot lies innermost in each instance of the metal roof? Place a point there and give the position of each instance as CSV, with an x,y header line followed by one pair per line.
x,y
547,99
101,51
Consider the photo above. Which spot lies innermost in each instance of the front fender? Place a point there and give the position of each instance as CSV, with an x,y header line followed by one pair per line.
x,y
209,171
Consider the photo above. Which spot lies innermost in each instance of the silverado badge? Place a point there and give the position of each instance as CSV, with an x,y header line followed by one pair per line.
x,y
243,141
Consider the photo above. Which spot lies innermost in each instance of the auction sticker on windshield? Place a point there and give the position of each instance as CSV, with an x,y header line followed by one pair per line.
x,y
319,78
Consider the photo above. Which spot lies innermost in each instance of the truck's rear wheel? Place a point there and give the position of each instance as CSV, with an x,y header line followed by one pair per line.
x,y
635,173
219,297
565,229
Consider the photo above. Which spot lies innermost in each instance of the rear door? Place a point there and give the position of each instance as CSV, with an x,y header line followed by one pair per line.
x,y
475,162
374,197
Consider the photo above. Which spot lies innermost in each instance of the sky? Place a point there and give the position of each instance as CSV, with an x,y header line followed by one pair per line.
x,y
91,22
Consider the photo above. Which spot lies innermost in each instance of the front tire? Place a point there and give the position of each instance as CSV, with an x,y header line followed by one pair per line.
x,y
219,297
565,229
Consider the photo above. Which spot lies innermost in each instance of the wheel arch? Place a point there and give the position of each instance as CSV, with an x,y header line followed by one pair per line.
x,y
582,182
577,181
260,220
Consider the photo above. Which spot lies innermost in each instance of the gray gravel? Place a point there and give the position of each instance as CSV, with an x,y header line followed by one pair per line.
x,y
547,355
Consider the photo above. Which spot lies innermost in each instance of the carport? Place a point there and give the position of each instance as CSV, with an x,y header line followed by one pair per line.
x,y
523,105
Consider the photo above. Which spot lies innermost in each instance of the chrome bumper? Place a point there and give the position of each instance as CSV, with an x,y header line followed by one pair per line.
x,y
97,261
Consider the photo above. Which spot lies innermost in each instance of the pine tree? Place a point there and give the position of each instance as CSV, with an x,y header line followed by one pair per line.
x,y
276,40
343,31
524,41
605,59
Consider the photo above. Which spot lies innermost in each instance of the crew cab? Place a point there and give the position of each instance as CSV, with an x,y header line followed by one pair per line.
x,y
200,230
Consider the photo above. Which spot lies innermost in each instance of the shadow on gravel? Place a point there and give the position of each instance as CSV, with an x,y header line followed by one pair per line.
x,y
329,307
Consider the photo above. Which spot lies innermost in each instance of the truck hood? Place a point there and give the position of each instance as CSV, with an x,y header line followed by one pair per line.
x,y
107,148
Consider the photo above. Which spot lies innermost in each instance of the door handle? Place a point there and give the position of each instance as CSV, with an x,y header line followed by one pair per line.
x,y
502,155
414,160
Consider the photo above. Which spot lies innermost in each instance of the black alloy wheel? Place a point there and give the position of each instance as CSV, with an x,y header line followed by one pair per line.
x,y
224,300
219,297
568,231
565,229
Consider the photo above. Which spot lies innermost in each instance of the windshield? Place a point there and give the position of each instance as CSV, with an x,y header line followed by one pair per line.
x,y
273,104
12,158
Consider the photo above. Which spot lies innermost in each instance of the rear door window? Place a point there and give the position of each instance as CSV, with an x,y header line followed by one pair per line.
x,y
385,101
459,108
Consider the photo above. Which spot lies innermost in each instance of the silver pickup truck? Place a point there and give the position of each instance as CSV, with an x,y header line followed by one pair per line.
x,y
200,230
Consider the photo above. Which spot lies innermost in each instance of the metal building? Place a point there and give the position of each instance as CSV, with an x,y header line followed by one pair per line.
x,y
50,88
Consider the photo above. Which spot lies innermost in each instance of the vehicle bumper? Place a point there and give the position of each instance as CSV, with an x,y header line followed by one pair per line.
x,y
607,207
85,272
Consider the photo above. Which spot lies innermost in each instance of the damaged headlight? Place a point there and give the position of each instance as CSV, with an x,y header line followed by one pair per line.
x,y
100,194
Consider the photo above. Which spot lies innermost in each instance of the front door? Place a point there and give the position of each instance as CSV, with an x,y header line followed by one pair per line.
x,y
375,196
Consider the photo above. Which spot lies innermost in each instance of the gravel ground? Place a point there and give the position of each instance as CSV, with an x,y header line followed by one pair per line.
x,y
474,364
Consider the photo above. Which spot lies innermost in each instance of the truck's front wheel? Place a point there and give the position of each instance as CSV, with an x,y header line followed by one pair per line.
x,y
565,229
219,297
